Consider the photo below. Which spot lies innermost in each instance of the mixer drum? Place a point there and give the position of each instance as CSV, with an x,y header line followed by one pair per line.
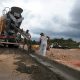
x,y
10,19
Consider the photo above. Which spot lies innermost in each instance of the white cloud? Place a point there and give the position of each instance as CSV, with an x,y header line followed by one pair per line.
x,y
39,13
45,10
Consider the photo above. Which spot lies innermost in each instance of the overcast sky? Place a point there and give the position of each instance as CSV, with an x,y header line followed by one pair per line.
x,y
56,18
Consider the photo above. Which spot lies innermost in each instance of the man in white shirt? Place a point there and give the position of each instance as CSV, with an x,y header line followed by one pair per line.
x,y
43,44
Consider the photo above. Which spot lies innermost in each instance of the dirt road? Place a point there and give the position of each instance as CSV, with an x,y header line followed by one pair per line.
x,y
17,65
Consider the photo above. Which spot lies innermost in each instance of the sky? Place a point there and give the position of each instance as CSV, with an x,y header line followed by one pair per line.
x,y
55,18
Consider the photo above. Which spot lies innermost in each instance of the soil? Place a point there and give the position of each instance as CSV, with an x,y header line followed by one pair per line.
x,y
17,65
69,57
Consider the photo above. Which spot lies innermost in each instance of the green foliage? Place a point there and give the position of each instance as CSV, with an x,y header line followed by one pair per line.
x,y
65,43
34,42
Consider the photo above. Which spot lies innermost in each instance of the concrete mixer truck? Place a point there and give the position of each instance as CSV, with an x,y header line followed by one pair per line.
x,y
10,22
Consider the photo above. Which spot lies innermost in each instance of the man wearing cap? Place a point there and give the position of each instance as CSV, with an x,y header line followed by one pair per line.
x,y
43,44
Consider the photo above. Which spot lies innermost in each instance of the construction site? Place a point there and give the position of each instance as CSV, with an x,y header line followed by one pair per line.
x,y
17,63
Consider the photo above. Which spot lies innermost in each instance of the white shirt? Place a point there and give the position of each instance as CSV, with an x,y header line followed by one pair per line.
x,y
43,39
28,36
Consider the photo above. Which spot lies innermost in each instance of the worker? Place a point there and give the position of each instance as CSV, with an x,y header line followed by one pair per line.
x,y
43,44
28,40
18,37
48,43
28,34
